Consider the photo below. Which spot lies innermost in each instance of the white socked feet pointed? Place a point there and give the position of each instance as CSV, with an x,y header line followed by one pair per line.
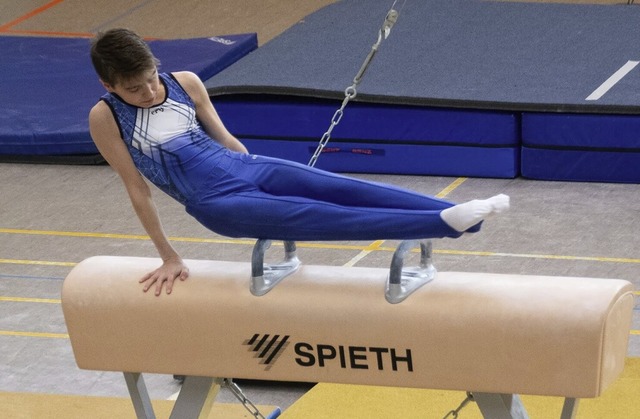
x,y
462,217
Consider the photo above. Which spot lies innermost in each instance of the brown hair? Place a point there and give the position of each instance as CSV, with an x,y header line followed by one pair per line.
x,y
120,54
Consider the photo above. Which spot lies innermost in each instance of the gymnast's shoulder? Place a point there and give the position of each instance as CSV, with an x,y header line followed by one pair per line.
x,y
187,79
100,116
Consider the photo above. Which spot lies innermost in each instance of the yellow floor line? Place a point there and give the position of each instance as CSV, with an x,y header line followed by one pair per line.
x,y
30,300
34,334
73,234
532,256
54,233
35,262
364,253
446,191
330,246
368,249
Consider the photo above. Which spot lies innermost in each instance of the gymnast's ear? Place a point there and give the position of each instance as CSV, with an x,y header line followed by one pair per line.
x,y
106,85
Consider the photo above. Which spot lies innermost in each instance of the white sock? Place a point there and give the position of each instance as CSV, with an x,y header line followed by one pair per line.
x,y
461,217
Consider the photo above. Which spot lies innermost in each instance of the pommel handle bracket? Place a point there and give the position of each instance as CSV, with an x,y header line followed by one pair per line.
x,y
404,281
264,276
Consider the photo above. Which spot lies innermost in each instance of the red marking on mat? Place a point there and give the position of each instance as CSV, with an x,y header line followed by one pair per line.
x,y
366,151
29,15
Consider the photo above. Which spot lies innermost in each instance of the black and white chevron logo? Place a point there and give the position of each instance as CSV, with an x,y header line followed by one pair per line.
x,y
267,348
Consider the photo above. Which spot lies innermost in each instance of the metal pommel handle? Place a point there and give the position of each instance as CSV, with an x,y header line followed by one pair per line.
x,y
402,282
264,276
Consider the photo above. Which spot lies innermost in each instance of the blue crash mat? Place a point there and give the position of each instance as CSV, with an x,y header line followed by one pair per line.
x,y
48,87
581,147
443,64
377,138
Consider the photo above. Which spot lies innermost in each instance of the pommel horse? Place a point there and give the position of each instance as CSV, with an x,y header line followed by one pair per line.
x,y
494,335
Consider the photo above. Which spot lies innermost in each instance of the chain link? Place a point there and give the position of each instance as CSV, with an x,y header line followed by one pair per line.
x,y
351,91
454,413
251,408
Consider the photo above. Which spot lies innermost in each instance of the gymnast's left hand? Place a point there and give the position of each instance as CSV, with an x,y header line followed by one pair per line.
x,y
165,276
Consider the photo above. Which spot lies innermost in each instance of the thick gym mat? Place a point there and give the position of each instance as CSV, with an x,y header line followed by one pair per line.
x,y
581,147
49,85
441,57
378,138
468,53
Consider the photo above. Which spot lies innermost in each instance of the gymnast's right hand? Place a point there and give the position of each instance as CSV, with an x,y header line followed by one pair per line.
x,y
166,274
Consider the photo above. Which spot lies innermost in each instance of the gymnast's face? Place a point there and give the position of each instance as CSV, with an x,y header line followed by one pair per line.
x,y
143,91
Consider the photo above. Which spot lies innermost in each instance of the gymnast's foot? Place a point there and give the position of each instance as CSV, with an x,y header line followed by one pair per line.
x,y
462,217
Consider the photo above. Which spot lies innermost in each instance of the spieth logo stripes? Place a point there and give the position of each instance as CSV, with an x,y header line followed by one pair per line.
x,y
267,348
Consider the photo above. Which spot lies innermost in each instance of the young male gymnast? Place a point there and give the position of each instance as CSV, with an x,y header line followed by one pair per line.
x,y
165,127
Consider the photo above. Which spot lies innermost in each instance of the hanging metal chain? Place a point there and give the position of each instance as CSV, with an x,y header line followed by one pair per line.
x,y
251,408
454,413
351,91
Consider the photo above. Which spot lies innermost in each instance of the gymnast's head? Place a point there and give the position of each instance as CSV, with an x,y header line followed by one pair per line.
x,y
119,55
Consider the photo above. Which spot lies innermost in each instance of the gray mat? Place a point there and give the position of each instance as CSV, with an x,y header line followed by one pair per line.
x,y
456,53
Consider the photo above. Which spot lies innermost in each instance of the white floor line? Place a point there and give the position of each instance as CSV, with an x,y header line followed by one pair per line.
x,y
611,81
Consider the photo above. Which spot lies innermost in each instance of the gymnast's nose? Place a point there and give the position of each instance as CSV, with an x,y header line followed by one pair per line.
x,y
149,92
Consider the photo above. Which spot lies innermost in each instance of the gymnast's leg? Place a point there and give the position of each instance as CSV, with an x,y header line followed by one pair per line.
x,y
285,178
248,207
252,213
256,214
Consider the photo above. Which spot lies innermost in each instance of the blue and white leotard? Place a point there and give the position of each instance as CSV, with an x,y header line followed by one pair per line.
x,y
245,195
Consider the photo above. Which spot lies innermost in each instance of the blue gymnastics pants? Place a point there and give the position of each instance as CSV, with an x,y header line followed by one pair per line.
x,y
261,197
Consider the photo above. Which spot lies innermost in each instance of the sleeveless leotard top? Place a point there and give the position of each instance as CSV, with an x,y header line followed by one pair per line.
x,y
167,143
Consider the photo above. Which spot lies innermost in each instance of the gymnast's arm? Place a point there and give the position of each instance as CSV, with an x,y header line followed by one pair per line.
x,y
106,136
206,113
